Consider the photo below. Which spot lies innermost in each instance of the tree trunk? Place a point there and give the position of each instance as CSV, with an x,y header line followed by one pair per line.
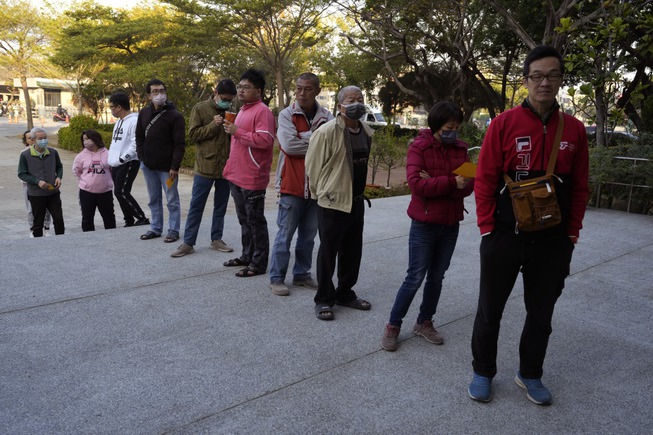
x,y
281,92
28,102
601,117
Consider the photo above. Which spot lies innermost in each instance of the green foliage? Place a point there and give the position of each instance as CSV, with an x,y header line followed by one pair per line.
x,y
605,167
381,192
388,152
70,136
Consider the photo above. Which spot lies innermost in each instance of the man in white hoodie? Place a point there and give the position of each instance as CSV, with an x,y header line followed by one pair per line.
x,y
124,159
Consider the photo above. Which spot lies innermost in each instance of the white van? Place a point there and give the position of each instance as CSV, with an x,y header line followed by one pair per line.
x,y
373,117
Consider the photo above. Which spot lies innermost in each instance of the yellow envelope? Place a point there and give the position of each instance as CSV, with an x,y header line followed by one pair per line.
x,y
170,182
467,170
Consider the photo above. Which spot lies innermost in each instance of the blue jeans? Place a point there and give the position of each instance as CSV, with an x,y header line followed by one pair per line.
x,y
201,190
295,214
155,181
430,247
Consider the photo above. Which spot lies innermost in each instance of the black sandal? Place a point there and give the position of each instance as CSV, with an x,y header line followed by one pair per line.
x,y
150,235
324,312
357,304
235,262
247,272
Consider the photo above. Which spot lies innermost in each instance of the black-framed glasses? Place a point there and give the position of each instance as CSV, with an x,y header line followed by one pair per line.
x,y
539,78
157,91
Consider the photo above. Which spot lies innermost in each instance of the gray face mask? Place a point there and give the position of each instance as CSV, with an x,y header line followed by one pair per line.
x,y
354,110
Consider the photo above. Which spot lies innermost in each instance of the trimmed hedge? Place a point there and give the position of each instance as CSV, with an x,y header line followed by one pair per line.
x,y
69,137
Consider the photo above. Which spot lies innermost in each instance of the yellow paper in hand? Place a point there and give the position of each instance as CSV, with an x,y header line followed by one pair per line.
x,y
170,182
467,170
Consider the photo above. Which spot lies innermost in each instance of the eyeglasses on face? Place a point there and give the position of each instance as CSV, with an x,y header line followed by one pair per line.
x,y
538,78
157,91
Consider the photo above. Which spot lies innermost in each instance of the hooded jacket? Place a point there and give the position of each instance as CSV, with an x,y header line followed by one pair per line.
x,y
250,157
162,148
436,200
123,141
93,171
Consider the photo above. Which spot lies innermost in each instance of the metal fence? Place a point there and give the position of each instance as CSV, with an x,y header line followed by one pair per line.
x,y
630,185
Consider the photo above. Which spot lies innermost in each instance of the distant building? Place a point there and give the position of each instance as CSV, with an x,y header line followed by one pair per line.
x,y
47,94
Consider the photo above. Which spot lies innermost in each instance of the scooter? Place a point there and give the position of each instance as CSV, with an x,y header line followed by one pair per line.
x,y
63,116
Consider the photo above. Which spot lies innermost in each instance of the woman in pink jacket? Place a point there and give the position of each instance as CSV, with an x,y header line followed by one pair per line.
x,y
95,184
436,208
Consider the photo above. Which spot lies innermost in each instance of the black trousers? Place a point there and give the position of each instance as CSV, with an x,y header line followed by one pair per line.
x,y
341,238
103,202
544,267
250,208
123,178
51,203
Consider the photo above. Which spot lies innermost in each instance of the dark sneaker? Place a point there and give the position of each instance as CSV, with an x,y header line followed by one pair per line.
x,y
279,288
426,330
390,335
182,250
535,390
306,282
480,389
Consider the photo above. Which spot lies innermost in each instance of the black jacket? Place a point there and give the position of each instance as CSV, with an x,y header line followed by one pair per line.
x,y
163,148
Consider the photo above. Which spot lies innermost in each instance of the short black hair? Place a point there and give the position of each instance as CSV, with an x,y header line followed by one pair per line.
x,y
120,99
255,76
95,136
226,86
309,76
443,112
154,82
540,52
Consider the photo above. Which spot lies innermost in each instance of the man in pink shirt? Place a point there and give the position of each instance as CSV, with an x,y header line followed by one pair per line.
x,y
248,172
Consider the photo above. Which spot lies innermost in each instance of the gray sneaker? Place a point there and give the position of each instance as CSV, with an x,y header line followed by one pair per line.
x,y
426,330
182,250
390,336
306,282
279,289
221,246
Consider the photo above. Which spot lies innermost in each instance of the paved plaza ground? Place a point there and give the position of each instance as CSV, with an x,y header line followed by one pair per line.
x,y
104,333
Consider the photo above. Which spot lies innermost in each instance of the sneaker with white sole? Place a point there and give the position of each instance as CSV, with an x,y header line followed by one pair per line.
x,y
535,390
480,388
390,338
279,288
306,282
221,246
182,250
426,330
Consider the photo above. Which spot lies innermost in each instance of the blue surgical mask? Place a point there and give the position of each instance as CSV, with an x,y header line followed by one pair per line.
x,y
223,104
41,144
448,136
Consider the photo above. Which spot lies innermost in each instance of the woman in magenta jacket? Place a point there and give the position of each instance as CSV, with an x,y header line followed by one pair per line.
x,y
436,208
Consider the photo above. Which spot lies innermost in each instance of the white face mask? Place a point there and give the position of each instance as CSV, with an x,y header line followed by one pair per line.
x,y
88,143
159,99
